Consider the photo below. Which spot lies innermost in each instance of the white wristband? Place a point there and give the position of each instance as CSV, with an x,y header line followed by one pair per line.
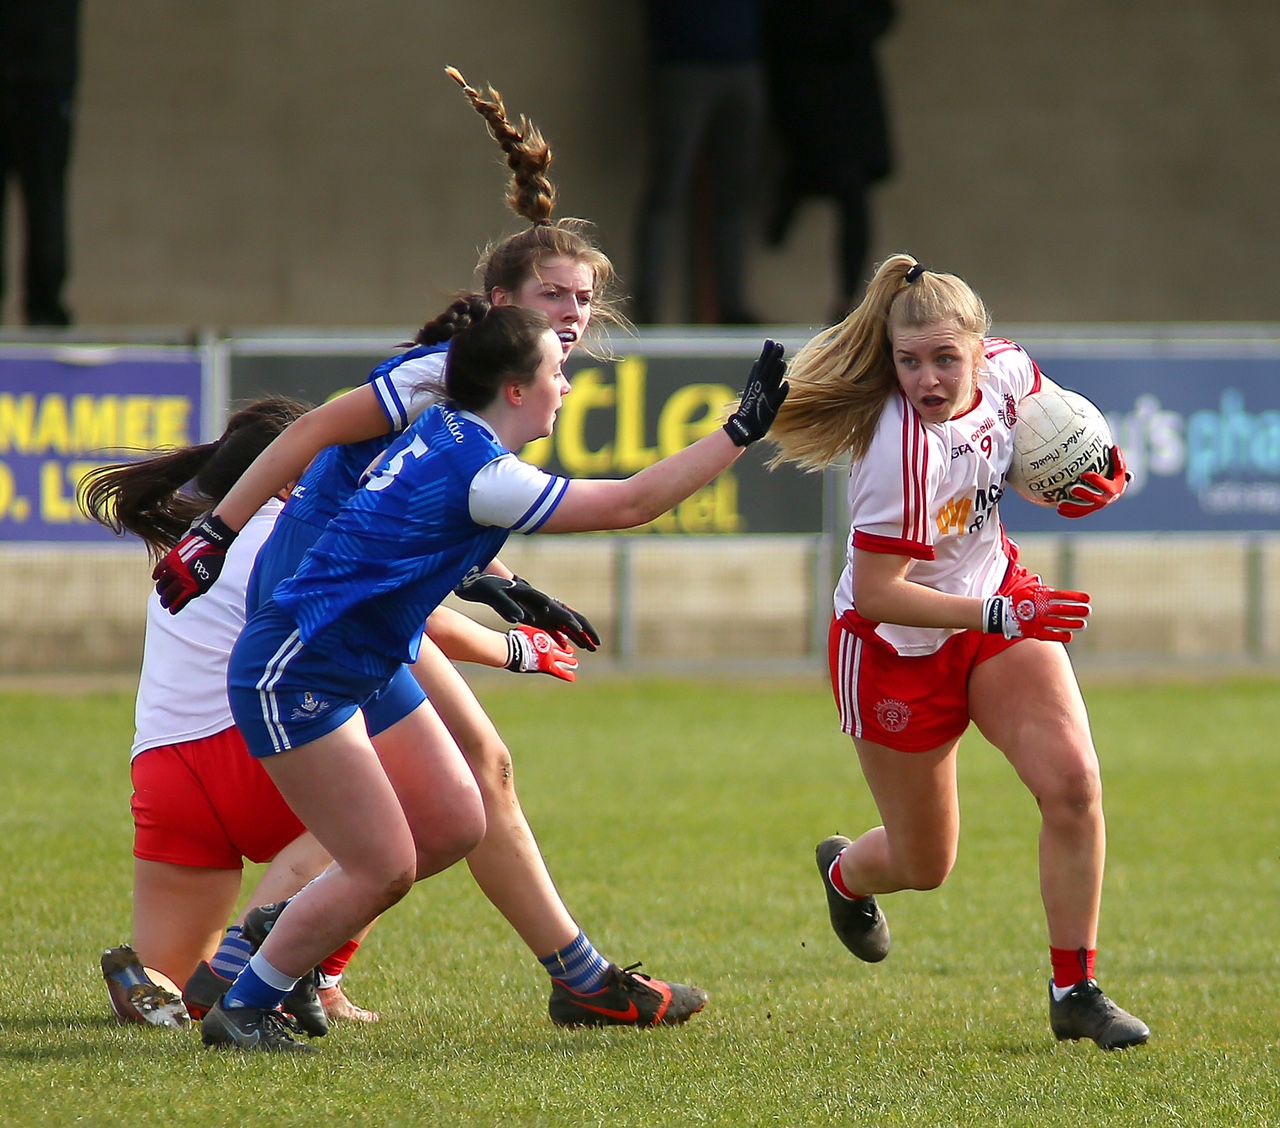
x,y
998,617
521,657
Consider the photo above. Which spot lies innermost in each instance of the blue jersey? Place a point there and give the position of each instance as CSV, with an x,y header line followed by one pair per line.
x,y
405,384
441,501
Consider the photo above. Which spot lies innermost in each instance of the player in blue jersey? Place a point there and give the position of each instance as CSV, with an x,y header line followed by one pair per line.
x,y
440,503
201,804
551,266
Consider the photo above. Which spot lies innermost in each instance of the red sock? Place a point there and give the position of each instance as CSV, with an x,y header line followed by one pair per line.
x,y
837,879
336,964
1070,965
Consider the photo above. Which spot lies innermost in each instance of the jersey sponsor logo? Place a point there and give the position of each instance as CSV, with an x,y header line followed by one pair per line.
x,y
953,517
310,707
987,425
892,715
451,424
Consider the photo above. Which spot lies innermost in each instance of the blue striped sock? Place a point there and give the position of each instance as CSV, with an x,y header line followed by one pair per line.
x,y
232,954
258,985
578,965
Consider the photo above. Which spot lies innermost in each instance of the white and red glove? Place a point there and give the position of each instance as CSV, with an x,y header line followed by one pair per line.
x,y
531,650
1094,491
191,566
1031,610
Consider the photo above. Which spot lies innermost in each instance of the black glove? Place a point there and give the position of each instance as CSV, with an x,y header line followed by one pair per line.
x,y
193,565
520,602
763,395
492,591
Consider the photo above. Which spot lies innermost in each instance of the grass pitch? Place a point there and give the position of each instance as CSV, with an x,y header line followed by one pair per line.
x,y
679,820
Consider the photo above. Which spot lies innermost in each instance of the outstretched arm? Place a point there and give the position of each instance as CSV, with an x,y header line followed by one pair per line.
x,y
351,418
524,650
591,504
193,565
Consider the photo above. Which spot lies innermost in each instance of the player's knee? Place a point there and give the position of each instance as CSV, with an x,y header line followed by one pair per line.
x,y
1072,793
493,768
928,870
393,889
449,841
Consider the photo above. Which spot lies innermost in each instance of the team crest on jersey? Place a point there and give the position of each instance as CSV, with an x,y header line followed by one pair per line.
x,y
1009,410
311,707
892,714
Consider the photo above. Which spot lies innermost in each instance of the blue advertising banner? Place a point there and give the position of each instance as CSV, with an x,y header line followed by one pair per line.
x,y
66,409
1199,423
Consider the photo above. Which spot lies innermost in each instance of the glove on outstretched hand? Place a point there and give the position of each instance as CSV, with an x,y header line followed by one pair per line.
x,y
520,602
1031,610
535,651
1094,491
763,395
191,566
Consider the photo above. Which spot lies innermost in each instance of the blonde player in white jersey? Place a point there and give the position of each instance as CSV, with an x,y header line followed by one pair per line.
x,y
936,624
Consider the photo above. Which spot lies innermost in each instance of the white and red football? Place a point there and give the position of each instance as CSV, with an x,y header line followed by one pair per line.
x,y
1059,435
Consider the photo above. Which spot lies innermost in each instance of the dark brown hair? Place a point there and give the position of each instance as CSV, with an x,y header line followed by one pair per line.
x,y
464,310
158,498
504,344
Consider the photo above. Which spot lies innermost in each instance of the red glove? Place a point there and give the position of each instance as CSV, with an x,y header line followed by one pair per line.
x,y
532,650
193,564
1093,491
1031,610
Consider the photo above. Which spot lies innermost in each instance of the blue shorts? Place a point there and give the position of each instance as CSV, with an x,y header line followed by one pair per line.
x,y
284,694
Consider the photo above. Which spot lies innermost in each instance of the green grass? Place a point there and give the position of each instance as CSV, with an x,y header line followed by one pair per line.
x,y
679,821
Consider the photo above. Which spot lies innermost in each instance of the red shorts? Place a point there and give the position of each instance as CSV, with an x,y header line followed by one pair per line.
x,y
207,803
910,704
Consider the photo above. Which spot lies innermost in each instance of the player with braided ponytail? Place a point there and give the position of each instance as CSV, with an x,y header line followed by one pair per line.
x,y
550,266
936,623
335,636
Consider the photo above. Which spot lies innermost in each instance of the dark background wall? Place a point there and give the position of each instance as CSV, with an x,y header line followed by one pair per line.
x,y
306,162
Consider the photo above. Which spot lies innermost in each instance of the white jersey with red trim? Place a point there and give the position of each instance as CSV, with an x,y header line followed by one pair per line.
x,y
930,491
182,691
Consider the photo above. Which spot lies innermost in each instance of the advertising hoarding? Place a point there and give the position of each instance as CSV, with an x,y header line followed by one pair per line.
x,y
65,409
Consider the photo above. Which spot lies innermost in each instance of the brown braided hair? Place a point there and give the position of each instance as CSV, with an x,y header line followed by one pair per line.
x,y
463,311
508,264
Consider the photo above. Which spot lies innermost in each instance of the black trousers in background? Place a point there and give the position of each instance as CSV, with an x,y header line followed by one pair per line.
x,y
716,111
35,149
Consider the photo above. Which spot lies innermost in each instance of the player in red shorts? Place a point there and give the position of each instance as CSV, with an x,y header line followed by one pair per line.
x,y
936,624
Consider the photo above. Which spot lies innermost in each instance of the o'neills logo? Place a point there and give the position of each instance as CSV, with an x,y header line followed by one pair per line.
x,y
892,715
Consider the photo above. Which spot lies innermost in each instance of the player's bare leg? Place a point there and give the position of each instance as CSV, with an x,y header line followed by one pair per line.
x,y
1026,702
511,872
179,913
